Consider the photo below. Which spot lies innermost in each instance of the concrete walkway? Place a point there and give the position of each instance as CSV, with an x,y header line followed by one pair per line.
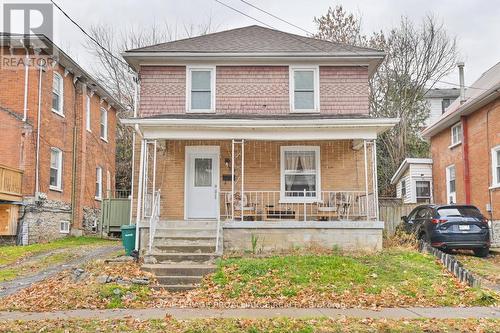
x,y
180,313
95,252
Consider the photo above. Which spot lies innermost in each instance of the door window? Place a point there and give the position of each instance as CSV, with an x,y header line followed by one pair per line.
x,y
203,172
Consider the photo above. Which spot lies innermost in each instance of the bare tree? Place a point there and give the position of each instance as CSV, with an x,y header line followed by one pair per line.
x,y
417,55
117,77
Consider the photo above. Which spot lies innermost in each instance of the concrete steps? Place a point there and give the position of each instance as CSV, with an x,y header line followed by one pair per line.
x,y
183,253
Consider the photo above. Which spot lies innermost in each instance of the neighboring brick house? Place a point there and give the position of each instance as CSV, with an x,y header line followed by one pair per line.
x,y
465,148
58,128
268,134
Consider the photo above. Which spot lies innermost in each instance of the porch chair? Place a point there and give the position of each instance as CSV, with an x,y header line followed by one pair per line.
x,y
345,203
328,209
241,204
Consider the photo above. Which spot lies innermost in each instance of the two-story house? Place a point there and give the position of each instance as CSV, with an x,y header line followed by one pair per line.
x,y
57,157
254,134
438,100
465,148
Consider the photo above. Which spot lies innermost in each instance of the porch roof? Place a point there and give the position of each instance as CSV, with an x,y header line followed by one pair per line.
x,y
261,127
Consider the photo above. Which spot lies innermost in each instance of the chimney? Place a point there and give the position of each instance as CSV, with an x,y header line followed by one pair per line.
x,y
460,66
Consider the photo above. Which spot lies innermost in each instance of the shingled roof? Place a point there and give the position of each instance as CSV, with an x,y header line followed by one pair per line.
x,y
256,39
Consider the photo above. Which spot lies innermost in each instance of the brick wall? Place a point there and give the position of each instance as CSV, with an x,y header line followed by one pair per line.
x,y
342,169
253,89
484,134
19,139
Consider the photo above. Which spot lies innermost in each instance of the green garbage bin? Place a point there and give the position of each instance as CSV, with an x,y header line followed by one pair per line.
x,y
128,238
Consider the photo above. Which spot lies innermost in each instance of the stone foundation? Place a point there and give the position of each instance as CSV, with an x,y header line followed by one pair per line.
x,y
276,236
495,234
91,220
41,222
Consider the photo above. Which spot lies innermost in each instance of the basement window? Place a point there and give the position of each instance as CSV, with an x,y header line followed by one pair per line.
x,y
64,227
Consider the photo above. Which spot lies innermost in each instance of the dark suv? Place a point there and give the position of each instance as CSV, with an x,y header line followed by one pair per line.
x,y
450,227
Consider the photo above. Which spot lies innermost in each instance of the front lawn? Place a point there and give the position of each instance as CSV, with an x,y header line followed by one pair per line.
x,y
486,268
387,279
11,254
275,325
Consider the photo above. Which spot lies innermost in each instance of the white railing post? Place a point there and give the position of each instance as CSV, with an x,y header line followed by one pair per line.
x,y
366,178
305,206
153,220
217,236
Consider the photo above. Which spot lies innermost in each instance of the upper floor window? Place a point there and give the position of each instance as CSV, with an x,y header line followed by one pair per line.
x,y
445,102
87,114
300,173
57,93
200,89
451,186
104,124
403,188
304,89
98,183
55,182
495,162
456,134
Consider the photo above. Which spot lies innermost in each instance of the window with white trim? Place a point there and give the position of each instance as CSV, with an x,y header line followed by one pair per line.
x,y
300,173
200,89
98,183
304,89
108,184
57,93
456,134
423,189
104,124
451,185
87,114
55,181
64,227
403,188
495,162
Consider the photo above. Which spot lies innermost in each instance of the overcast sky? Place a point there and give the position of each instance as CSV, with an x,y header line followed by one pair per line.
x,y
475,23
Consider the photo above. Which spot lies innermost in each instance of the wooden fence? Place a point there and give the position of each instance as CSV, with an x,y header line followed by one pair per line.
x,y
391,210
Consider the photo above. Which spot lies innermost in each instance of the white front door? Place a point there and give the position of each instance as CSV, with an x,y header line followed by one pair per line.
x,y
202,181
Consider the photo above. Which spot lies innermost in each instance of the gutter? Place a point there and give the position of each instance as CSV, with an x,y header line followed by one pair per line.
x,y
38,124
264,123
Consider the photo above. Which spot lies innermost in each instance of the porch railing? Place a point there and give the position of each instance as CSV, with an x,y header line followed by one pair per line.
x,y
297,205
153,220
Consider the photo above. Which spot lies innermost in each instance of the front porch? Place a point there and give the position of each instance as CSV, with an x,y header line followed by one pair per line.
x,y
312,184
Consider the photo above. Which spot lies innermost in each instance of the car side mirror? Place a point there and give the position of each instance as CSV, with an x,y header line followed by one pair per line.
x,y
404,218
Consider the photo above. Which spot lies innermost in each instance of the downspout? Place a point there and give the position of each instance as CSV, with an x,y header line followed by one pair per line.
x,y
465,135
26,77
38,123
465,152
73,167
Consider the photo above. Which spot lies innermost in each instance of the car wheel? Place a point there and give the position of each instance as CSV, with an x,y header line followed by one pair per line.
x,y
482,252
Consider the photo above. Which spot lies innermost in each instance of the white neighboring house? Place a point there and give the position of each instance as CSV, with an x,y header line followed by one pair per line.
x,y
438,101
413,181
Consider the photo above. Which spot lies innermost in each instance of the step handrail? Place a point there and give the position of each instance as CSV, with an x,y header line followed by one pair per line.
x,y
153,220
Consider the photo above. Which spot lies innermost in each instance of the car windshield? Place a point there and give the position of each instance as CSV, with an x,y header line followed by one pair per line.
x,y
459,211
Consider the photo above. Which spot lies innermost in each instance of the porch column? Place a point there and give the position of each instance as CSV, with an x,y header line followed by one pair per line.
x,y
139,194
375,179
366,177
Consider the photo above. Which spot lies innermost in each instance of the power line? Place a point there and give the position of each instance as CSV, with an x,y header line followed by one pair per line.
x,y
277,17
89,36
456,84
244,14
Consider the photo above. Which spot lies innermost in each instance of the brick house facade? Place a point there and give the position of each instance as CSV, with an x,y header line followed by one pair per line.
x,y
254,125
49,210
473,157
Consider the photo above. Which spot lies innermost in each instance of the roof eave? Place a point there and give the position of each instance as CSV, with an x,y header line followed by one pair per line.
x,y
467,108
